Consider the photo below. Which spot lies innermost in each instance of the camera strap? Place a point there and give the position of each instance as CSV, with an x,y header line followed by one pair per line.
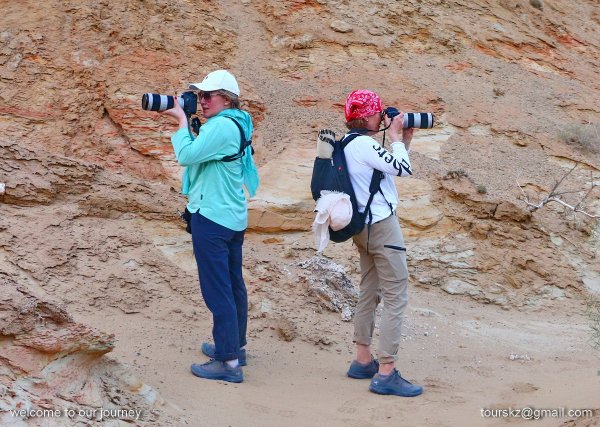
x,y
384,129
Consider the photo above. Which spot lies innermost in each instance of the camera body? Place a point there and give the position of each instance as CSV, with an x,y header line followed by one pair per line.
x,y
412,120
156,102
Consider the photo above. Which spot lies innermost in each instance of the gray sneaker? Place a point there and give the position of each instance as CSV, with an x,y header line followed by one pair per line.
x,y
394,384
218,370
361,371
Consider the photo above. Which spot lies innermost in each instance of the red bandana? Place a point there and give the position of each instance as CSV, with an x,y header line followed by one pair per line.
x,y
362,103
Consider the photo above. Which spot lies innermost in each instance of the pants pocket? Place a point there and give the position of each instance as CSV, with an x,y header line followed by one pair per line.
x,y
397,248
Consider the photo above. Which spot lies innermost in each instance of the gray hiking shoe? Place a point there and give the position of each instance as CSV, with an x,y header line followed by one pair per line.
x,y
394,384
218,370
361,371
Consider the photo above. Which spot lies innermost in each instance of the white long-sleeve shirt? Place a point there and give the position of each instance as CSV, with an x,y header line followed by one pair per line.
x,y
363,155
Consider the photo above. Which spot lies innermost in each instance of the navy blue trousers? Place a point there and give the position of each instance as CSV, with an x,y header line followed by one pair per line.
x,y
218,252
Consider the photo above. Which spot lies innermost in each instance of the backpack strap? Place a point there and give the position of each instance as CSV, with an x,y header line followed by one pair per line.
x,y
375,185
374,188
244,143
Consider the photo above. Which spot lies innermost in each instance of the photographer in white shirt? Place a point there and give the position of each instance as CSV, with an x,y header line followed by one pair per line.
x,y
384,271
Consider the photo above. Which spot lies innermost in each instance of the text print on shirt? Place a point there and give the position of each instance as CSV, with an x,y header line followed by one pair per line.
x,y
388,157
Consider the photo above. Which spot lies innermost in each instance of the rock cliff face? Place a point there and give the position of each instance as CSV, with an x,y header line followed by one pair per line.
x,y
89,182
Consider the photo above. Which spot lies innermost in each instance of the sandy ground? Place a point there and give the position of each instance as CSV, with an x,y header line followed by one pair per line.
x,y
468,356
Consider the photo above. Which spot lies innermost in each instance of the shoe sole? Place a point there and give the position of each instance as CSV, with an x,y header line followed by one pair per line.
x,y
227,378
388,392
359,377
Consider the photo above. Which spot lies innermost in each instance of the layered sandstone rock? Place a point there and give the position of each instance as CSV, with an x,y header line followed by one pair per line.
x,y
54,371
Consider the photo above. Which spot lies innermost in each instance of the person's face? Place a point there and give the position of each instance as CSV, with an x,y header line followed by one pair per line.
x,y
212,103
373,122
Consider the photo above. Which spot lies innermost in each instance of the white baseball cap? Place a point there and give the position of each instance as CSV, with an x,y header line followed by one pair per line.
x,y
220,79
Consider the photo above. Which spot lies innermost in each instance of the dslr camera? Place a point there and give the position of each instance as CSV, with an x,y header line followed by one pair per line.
x,y
156,102
412,120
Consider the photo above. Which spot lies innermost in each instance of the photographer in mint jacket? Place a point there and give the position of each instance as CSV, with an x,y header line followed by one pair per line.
x,y
219,215
384,272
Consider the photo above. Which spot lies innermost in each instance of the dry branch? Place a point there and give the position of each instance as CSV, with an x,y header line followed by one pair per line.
x,y
555,196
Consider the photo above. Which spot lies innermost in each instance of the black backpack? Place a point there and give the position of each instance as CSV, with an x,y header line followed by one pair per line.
x,y
332,174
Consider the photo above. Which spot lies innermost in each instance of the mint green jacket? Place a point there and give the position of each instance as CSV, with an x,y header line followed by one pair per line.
x,y
215,188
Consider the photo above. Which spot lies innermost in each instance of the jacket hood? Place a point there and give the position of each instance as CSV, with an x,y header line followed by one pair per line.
x,y
242,117
251,177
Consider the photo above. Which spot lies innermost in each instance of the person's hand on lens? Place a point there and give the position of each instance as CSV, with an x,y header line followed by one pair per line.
x,y
407,135
395,126
177,113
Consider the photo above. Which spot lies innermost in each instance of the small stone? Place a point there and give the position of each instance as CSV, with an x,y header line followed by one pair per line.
x,y
538,4
273,240
375,31
341,26
286,329
426,312
458,287
265,307
498,27
552,291
521,142
515,356
346,313
289,252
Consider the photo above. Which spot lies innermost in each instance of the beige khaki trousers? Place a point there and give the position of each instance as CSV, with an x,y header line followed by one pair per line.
x,y
384,276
